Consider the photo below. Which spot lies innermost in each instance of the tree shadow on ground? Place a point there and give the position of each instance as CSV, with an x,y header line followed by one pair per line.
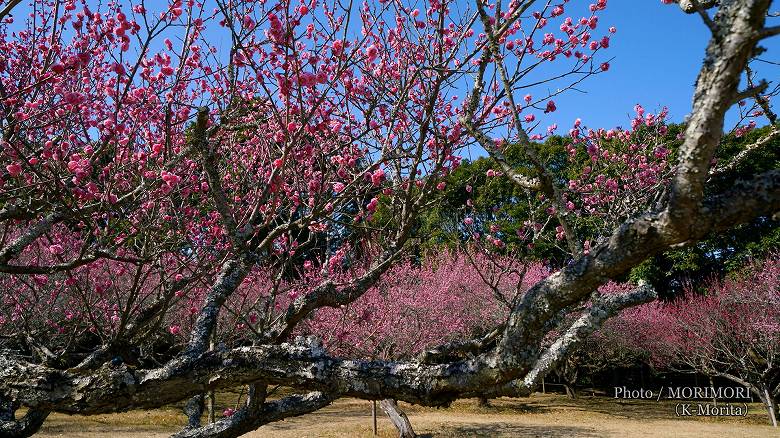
x,y
511,430
505,406
626,409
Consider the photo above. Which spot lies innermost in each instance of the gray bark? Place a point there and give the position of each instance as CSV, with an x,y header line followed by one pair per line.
x,y
771,406
193,409
11,427
251,417
398,418
511,363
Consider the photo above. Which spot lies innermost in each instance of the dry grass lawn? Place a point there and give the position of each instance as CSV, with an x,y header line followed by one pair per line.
x,y
543,415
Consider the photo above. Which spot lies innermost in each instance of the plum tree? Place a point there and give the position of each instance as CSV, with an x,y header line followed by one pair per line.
x,y
172,212
729,332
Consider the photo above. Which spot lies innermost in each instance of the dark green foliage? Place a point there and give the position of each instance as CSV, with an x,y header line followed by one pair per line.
x,y
497,201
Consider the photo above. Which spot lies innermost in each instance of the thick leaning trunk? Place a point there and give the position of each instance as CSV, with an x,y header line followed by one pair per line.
x,y
770,404
193,409
398,418
11,427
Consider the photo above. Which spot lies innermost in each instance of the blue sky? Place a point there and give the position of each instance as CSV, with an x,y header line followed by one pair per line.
x,y
657,53
655,57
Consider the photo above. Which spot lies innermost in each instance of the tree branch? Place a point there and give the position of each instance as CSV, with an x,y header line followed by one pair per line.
x,y
249,418
693,6
23,241
605,308
8,8
758,145
717,83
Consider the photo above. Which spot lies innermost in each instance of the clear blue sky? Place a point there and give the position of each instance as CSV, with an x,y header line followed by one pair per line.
x,y
658,51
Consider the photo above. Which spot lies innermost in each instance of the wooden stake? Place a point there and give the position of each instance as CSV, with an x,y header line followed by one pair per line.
x,y
373,414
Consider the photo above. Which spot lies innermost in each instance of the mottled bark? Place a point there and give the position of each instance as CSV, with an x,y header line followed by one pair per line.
x,y
41,227
590,321
398,418
770,405
732,43
458,349
11,427
328,295
230,277
251,417
111,389
193,410
512,362
692,6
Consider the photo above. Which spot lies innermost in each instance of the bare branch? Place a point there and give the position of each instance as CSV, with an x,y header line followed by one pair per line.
x,y
769,32
751,91
692,6
249,418
758,145
590,321
201,142
8,8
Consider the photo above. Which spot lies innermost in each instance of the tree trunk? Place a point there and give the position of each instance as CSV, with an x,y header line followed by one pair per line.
x,y
398,418
483,402
712,385
11,427
210,396
570,374
771,407
193,409
373,416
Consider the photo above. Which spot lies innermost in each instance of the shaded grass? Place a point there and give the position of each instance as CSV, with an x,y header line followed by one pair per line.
x,y
542,415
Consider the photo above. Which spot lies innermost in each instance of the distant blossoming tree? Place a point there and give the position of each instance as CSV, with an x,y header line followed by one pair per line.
x,y
732,331
447,298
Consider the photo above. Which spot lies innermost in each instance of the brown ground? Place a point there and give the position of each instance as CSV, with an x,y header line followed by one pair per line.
x,y
542,415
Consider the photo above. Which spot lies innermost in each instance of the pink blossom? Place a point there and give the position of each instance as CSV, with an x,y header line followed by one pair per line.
x,y
377,177
14,169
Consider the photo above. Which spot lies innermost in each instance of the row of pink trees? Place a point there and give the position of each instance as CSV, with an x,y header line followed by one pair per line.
x,y
425,310
731,330
174,211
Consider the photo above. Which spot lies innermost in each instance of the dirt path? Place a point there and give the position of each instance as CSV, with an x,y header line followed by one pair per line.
x,y
548,416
